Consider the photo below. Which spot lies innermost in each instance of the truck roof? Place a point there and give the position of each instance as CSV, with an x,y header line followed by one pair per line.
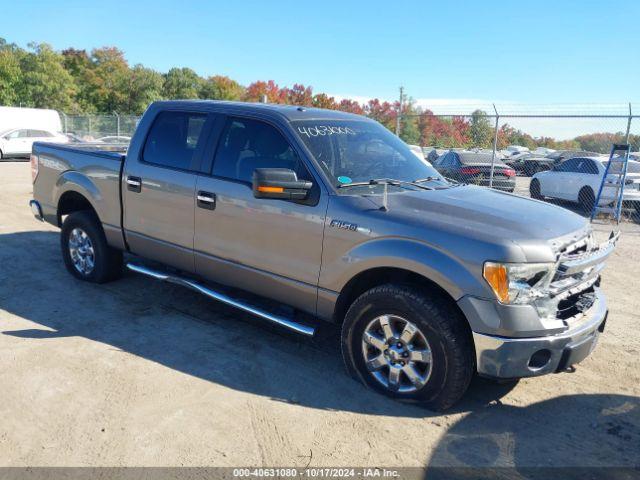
x,y
289,112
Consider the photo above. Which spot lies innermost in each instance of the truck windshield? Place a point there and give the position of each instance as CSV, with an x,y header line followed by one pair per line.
x,y
354,151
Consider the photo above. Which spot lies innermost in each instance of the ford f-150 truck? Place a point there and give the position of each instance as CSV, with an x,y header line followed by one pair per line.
x,y
328,216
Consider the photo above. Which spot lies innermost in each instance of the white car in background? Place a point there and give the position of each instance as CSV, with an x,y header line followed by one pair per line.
x,y
121,139
543,151
578,180
17,142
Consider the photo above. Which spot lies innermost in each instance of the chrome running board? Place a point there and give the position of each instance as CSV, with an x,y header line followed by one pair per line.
x,y
280,321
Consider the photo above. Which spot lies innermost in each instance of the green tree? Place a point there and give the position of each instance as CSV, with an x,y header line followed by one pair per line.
x,y
480,131
10,73
45,83
145,86
220,87
181,83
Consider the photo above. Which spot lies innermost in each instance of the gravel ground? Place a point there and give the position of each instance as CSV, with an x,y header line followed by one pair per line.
x,y
148,374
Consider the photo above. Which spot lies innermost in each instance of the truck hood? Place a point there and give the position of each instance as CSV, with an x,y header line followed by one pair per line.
x,y
484,213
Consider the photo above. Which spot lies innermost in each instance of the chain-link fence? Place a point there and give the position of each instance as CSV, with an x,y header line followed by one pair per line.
x,y
561,158
104,128
555,157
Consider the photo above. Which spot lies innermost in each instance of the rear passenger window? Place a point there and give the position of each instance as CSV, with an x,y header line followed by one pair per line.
x,y
173,139
249,144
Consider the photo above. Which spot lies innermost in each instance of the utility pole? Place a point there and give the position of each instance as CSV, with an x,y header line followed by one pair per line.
x,y
399,111
495,146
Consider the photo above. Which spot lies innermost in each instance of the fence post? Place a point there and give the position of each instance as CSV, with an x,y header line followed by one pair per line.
x,y
495,146
626,137
117,123
89,118
399,114
64,116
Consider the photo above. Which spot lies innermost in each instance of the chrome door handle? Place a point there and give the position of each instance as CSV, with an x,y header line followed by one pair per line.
x,y
134,184
206,200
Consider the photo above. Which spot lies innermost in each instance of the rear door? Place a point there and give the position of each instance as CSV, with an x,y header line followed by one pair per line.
x,y
270,247
159,188
555,184
38,136
586,174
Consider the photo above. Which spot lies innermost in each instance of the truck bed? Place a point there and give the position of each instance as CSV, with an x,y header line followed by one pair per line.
x,y
96,168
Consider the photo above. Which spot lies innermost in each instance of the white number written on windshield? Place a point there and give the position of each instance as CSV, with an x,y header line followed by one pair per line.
x,y
322,130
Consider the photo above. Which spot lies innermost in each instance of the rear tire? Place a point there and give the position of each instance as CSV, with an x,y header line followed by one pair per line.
x,y
431,364
85,251
587,199
534,189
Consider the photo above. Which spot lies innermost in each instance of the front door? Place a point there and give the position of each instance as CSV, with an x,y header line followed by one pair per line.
x,y
159,189
270,247
18,143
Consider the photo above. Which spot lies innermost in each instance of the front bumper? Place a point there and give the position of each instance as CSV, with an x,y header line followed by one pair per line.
x,y
502,357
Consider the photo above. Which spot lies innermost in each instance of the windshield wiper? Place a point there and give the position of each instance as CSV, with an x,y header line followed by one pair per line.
x,y
385,181
450,182
426,179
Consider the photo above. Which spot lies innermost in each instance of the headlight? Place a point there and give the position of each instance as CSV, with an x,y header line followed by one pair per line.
x,y
518,283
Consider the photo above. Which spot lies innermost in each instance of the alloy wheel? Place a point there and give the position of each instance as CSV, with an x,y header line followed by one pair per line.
x,y
397,354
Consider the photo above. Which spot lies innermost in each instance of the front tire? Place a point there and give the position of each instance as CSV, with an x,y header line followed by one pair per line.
x,y
534,189
85,251
587,199
408,345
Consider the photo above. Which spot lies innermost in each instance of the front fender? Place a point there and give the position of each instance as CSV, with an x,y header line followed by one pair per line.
x,y
449,273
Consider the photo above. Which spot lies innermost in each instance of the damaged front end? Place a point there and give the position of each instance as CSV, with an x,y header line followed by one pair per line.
x,y
561,314
572,289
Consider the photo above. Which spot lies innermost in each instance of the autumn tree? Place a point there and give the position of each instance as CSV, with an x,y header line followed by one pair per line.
x,y
383,112
220,87
108,80
268,89
350,106
446,132
300,95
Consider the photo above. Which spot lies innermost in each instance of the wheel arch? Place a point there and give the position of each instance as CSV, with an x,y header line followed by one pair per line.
x,y
373,277
75,191
73,201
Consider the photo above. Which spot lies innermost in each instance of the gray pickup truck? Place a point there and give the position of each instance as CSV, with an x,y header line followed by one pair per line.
x,y
328,216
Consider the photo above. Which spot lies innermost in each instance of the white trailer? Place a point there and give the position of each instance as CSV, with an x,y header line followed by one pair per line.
x,y
36,118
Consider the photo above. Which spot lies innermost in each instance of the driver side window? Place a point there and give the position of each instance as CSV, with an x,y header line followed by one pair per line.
x,y
247,144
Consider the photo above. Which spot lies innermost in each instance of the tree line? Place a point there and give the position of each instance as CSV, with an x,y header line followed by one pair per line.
x,y
102,81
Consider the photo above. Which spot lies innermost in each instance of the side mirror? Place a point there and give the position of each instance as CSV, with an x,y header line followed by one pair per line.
x,y
279,183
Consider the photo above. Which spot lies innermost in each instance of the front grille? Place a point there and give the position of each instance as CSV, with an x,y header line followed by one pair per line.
x,y
572,290
576,304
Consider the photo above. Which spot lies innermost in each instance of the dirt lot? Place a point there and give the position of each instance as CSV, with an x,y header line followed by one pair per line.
x,y
143,373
